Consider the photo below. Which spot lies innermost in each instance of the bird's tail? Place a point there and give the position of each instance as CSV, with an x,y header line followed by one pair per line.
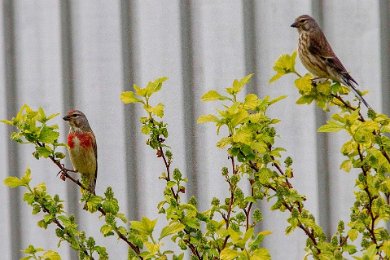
x,y
89,181
350,82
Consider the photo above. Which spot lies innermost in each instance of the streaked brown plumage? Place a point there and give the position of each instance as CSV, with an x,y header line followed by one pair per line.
x,y
318,57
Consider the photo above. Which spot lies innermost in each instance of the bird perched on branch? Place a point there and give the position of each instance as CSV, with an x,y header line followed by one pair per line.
x,y
82,148
318,57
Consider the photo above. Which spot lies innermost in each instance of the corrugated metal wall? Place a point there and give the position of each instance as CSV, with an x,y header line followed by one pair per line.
x,y
61,54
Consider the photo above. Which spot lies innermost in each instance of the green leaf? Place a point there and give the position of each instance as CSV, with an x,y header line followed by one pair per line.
x,y
207,119
346,165
13,182
353,234
303,84
172,228
26,177
8,122
154,86
51,255
228,254
128,97
251,102
145,226
284,64
213,95
331,126
48,135
32,250
158,110
106,230
43,152
260,254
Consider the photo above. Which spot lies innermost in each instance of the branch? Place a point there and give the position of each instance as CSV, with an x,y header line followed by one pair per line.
x,y
370,228
64,171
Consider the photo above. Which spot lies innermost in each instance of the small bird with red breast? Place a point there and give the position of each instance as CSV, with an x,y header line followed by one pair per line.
x,y
318,57
82,148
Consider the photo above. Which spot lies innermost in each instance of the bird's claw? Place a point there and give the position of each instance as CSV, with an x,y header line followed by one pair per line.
x,y
316,81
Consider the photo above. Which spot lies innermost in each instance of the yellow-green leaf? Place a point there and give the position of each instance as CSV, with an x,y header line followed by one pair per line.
x,y
13,182
228,254
303,84
346,165
284,64
158,110
26,177
353,234
207,119
251,101
51,255
145,226
8,122
260,254
128,97
213,95
172,228
331,126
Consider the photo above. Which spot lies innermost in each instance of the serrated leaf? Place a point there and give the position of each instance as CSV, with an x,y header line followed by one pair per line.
x,y
43,152
158,110
145,226
13,182
346,165
303,84
331,126
51,255
48,135
228,254
172,228
213,95
260,254
26,177
128,97
251,102
283,65
106,230
8,122
207,119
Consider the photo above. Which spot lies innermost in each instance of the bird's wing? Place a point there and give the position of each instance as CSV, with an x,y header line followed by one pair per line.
x,y
320,47
94,145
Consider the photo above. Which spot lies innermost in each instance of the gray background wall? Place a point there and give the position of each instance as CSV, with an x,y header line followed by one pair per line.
x,y
61,54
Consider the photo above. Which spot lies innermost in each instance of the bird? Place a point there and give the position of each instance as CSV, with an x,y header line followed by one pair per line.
x,y
318,57
82,148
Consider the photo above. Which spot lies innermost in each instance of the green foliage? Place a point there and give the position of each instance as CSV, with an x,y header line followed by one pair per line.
x,y
32,128
228,228
32,252
367,151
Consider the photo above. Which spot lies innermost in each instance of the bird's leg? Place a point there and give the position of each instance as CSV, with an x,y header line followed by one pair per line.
x,y
64,172
316,81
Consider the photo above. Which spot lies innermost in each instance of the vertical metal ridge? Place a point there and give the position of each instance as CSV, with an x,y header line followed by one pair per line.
x,y
249,15
68,93
130,120
324,208
11,94
187,64
384,12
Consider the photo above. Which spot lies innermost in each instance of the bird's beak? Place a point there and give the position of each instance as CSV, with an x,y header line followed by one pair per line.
x,y
66,118
295,25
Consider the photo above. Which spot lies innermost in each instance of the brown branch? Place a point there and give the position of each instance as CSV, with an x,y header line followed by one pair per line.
x,y
231,201
371,228
309,232
60,226
64,171
121,236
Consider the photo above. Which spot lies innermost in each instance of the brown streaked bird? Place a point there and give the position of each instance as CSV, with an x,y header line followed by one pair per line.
x,y
82,148
318,57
